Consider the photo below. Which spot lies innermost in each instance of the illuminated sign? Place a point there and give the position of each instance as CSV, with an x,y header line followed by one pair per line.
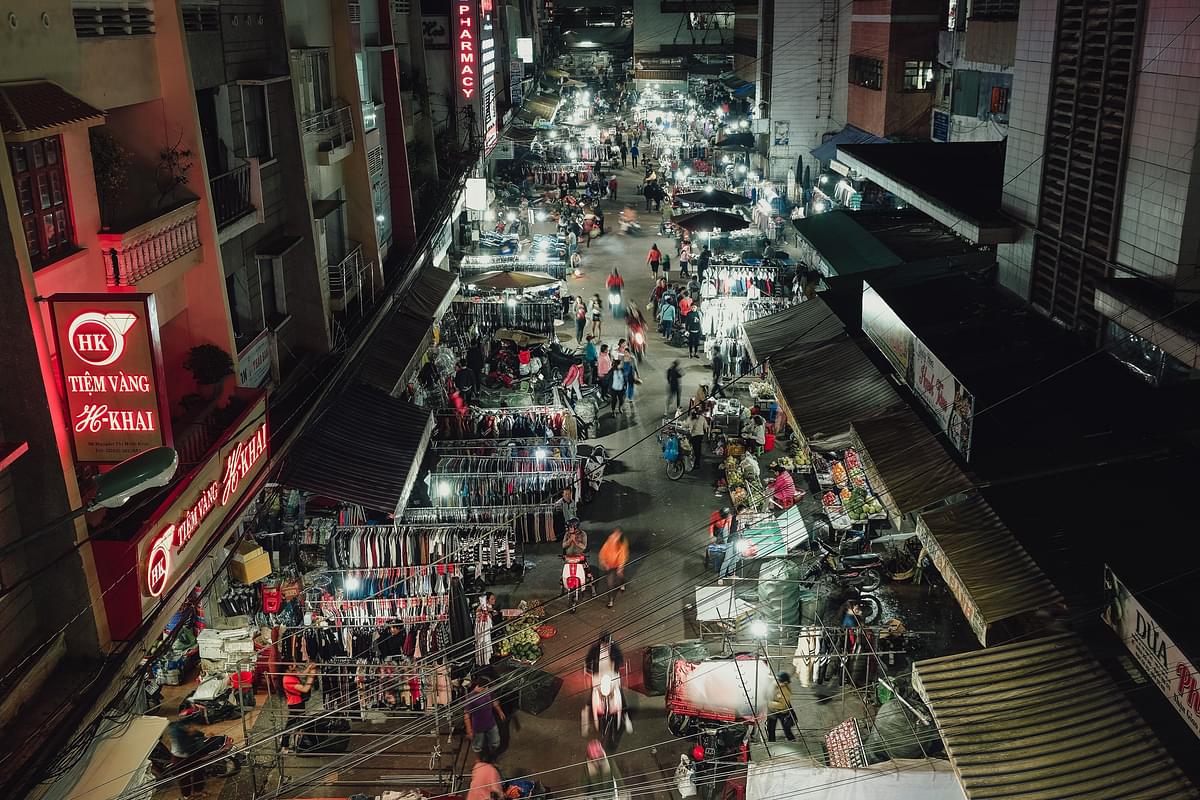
x,y
466,48
108,355
491,127
233,465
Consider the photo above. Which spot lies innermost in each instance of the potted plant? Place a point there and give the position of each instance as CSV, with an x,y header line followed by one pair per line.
x,y
211,366
174,164
110,167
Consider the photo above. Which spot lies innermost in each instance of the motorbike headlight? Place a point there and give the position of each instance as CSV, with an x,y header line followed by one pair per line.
x,y
614,298
637,337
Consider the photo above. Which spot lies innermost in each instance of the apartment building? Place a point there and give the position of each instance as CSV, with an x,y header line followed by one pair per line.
x,y
1101,171
973,73
670,37
796,56
893,44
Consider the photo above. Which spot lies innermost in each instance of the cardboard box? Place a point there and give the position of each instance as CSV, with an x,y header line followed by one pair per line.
x,y
250,563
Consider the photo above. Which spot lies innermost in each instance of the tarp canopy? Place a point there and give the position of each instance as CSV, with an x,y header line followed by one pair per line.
x,y
983,564
798,777
391,356
906,463
826,387
843,244
792,330
709,220
1043,719
431,293
715,198
827,151
365,447
736,141
115,763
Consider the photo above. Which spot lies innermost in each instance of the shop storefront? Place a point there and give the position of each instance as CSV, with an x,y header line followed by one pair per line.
x,y
139,573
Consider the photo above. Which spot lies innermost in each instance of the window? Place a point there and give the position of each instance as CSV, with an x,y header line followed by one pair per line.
x,y
40,179
866,72
1000,95
313,87
270,281
256,123
918,76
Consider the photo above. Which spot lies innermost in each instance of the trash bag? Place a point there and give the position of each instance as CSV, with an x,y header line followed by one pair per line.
x,y
899,734
657,661
684,783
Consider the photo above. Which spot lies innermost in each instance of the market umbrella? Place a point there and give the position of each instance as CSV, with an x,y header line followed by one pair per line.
x,y
500,279
556,73
717,198
709,220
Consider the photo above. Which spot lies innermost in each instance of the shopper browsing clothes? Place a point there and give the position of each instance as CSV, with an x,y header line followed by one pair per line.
x,y
616,385
297,685
483,716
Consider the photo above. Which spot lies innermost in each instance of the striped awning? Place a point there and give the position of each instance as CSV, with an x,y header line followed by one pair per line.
x,y
794,329
1042,720
985,567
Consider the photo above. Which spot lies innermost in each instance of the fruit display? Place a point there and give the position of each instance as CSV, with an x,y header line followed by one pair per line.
x,y
851,459
831,502
838,472
522,641
860,505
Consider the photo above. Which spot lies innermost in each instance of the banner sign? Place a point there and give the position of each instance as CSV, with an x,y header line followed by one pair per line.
x,y
948,400
109,357
1162,660
436,32
466,49
491,118
889,333
516,89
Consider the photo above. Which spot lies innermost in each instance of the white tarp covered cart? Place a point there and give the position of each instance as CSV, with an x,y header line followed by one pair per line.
x,y
729,689
919,779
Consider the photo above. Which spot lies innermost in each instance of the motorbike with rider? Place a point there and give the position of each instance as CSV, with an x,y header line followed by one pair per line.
x,y
606,713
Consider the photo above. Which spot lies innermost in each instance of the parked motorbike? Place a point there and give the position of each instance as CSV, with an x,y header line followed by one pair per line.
x,y
593,471
214,759
574,578
206,712
677,450
864,571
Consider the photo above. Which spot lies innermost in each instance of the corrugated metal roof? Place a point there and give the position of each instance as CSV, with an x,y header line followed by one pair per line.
x,y
826,387
389,358
365,448
430,293
984,565
904,459
844,244
1041,720
797,328
36,106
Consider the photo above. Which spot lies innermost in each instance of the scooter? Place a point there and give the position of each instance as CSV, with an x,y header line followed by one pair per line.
x,y
607,707
574,578
677,450
865,571
215,759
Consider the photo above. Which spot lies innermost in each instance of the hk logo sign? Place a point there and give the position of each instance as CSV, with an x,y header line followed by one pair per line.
x,y
99,339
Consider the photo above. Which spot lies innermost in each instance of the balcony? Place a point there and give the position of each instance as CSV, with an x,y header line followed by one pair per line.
x,y
346,279
237,200
163,247
333,131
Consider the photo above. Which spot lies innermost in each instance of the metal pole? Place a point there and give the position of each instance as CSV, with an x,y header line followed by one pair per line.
x,y
246,729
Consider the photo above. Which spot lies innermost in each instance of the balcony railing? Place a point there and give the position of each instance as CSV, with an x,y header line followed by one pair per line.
x,y
134,255
334,130
345,278
231,195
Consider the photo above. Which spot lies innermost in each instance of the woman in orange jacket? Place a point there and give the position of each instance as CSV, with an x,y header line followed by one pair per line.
x,y
613,557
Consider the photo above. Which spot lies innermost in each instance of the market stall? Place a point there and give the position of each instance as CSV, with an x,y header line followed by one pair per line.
x,y
984,566
1028,695
791,330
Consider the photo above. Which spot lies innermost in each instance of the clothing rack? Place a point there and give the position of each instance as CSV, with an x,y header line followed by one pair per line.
x,y
502,423
544,261
724,316
456,465
558,447
500,489
490,314
533,522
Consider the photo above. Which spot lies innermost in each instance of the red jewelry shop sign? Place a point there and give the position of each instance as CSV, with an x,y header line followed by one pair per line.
x,y
110,360
135,573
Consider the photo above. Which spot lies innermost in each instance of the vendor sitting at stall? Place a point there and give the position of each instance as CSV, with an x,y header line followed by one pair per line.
x,y
783,488
754,435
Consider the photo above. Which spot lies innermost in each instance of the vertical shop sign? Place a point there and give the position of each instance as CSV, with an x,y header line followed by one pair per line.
x,y
466,49
1161,659
516,74
110,362
889,333
947,399
491,126
782,132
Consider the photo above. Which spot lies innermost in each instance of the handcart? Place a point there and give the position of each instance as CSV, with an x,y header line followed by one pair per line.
x,y
724,690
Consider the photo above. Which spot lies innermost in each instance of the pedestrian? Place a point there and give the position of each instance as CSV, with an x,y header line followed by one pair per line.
x,y
572,241
577,264
603,364
600,779
656,294
580,319
666,266
616,386
692,323
685,304
697,430
465,381
718,368
674,387
685,256
612,188
297,684
666,315
648,193
702,264
654,258
600,219
590,358
779,710
613,557
624,154
483,716
486,783
589,222
633,153
596,309
627,364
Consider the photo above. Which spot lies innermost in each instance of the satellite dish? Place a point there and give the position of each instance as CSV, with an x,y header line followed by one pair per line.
x,y
149,469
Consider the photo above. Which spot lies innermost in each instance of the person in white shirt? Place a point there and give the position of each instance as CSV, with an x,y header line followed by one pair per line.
x,y
754,435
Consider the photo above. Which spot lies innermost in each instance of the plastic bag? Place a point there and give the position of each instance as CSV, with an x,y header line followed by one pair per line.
x,y
684,773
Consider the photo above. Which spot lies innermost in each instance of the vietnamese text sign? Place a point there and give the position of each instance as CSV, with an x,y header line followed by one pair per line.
x,y
1163,662
108,356
889,333
947,399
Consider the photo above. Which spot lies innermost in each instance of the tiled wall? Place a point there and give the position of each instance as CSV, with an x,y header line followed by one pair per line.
x,y
1026,135
1160,220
